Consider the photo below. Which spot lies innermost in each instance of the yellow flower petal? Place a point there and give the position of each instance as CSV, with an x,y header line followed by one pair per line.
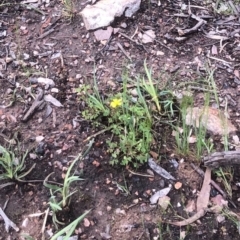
x,y
116,102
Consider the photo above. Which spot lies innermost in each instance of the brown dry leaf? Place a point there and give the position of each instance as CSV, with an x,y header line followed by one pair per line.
x,y
178,185
203,197
154,154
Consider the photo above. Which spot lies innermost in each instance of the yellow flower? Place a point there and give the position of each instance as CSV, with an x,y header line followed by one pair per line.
x,y
116,102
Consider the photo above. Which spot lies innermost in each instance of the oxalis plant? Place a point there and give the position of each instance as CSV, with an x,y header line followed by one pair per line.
x,y
128,119
129,123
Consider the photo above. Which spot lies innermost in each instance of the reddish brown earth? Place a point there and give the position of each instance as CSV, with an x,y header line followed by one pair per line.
x,y
64,130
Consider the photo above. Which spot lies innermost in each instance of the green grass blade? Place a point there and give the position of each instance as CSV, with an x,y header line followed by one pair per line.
x,y
70,228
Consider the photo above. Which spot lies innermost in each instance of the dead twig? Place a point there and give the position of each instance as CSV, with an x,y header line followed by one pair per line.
x,y
218,59
46,33
202,202
182,32
162,44
140,174
96,134
124,52
214,184
130,39
218,159
190,220
35,105
44,224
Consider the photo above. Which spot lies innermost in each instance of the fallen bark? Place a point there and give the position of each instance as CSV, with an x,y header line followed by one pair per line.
x,y
218,159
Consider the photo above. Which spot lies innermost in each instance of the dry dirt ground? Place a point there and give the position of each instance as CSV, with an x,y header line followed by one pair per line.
x,y
56,134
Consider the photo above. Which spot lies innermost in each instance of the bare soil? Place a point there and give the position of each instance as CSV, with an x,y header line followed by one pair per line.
x,y
28,54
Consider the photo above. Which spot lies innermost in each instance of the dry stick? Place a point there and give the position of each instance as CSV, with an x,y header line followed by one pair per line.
x,y
216,37
190,220
124,35
197,216
124,52
186,16
39,181
103,48
46,33
201,89
35,105
218,59
162,44
193,29
96,134
44,224
214,184
139,174
6,184
217,159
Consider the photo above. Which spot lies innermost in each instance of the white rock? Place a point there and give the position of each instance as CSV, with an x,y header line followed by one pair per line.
x,y
86,222
53,100
26,56
35,53
148,36
179,204
59,151
103,12
101,34
164,202
78,76
136,201
120,211
25,222
9,59
220,218
134,92
39,138
235,139
46,81
33,156
54,90
154,198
